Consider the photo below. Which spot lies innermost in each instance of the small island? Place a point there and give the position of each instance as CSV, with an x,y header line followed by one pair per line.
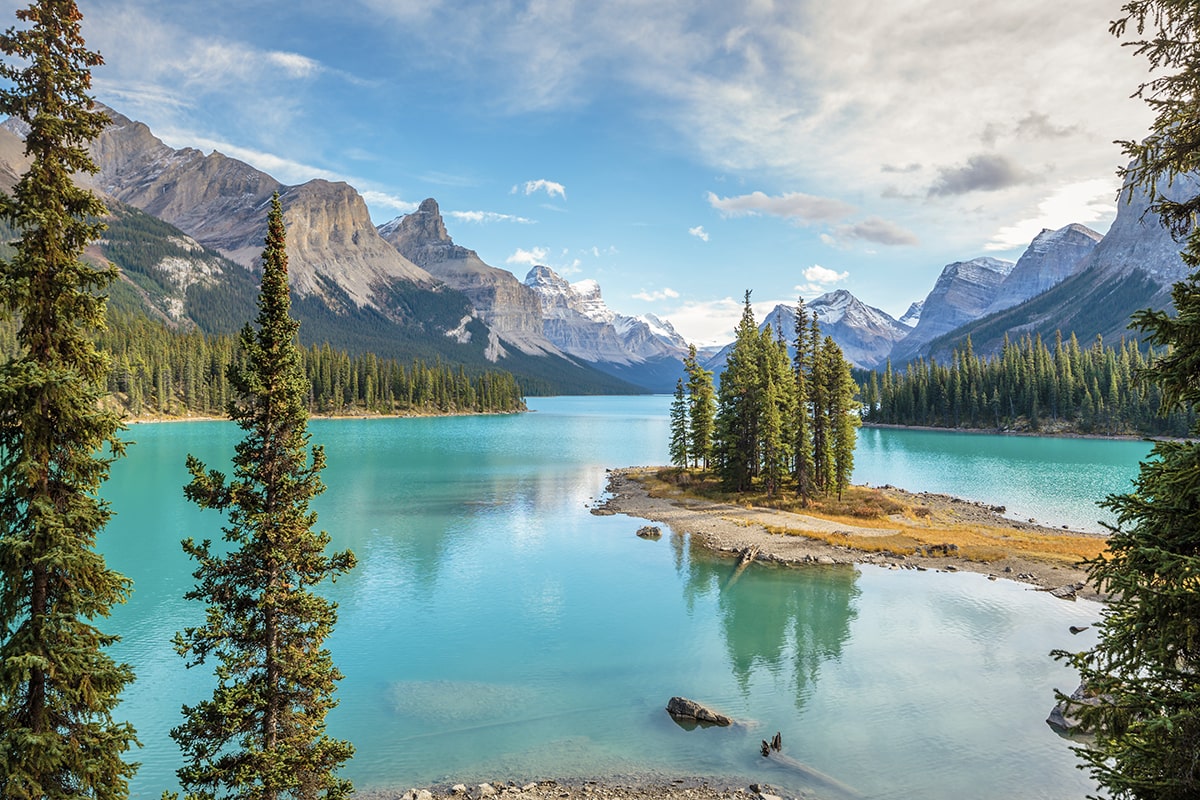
x,y
885,526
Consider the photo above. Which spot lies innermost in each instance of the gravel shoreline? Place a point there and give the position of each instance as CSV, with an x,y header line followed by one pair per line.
x,y
610,788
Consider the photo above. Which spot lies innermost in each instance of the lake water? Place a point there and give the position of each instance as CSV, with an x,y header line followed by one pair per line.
x,y
496,629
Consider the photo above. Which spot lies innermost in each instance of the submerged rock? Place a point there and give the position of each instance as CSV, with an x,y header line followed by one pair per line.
x,y
690,709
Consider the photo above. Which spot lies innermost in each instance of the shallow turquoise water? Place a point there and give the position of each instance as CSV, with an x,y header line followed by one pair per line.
x,y
494,628
1054,480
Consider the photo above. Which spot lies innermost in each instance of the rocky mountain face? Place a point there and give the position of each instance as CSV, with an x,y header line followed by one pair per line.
x,y
962,293
508,307
186,231
913,315
579,322
1051,258
645,351
1131,268
865,333
334,251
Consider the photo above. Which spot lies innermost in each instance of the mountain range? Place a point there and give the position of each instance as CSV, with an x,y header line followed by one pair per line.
x,y
186,230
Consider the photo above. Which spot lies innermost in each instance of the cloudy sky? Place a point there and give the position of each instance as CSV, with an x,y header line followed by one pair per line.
x,y
678,152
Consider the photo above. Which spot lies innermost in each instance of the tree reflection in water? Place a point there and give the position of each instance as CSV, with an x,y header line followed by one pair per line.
x,y
785,620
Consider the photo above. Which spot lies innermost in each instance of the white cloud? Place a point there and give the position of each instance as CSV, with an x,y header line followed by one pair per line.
x,y
294,64
162,54
385,200
818,274
533,257
1083,202
707,322
795,206
650,297
551,188
995,95
488,216
699,233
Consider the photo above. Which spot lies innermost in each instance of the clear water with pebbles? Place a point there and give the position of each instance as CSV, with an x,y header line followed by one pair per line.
x,y
495,628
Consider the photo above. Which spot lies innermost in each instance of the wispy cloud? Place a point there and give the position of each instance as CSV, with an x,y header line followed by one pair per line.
x,y
488,216
699,233
551,188
293,64
767,89
654,296
384,200
795,206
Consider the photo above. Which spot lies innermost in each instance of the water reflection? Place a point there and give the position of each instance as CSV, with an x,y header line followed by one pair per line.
x,y
772,621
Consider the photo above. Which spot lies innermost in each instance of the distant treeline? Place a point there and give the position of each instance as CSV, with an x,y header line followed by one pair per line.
x,y
159,371
1027,386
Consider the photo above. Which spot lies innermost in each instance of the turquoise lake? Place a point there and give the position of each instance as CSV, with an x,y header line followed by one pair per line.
x,y
496,629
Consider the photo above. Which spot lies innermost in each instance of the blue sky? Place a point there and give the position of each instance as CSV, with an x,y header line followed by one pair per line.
x,y
678,152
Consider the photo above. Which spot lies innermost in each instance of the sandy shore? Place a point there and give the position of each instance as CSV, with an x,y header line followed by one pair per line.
x,y
734,529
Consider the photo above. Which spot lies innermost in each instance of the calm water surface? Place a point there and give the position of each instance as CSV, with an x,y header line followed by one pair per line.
x,y
1054,480
494,628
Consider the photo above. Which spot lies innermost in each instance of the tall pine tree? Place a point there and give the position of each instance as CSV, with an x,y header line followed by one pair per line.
x,y
738,407
844,419
701,408
262,735
58,687
802,451
679,427
1145,667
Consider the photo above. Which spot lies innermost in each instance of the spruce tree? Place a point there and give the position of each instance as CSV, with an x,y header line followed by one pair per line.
x,y
1145,669
802,467
58,686
701,408
738,409
844,419
679,427
818,400
262,735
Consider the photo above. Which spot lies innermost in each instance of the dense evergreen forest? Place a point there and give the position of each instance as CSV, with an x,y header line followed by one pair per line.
x,y
772,425
1028,387
159,371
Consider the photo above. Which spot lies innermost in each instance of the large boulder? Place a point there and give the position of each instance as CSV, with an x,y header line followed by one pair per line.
x,y
681,707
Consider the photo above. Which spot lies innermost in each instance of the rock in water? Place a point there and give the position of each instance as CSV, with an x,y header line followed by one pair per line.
x,y
690,709
1064,718
649,532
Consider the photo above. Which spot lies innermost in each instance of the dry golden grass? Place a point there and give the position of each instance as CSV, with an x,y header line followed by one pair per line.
x,y
974,542
915,525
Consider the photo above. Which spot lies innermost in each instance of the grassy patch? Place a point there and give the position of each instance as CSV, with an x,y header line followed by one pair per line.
x,y
908,526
